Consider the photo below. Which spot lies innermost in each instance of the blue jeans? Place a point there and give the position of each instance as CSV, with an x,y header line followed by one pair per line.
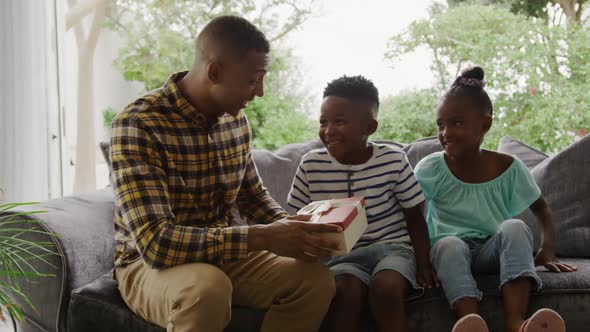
x,y
509,252
365,262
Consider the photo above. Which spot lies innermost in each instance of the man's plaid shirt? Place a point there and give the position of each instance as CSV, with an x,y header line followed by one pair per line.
x,y
176,183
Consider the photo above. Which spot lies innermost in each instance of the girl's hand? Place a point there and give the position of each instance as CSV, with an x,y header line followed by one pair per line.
x,y
546,257
427,277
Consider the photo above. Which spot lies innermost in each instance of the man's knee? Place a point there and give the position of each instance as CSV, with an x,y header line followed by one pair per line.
x,y
204,285
316,278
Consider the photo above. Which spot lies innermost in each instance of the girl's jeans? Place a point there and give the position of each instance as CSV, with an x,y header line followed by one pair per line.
x,y
509,252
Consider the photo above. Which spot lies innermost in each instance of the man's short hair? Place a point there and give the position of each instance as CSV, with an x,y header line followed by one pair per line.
x,y
356,88
235,34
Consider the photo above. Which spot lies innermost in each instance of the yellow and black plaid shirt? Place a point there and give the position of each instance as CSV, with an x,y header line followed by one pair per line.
x,y
177,182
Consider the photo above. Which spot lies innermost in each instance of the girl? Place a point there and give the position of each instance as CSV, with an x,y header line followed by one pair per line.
x,y
473,197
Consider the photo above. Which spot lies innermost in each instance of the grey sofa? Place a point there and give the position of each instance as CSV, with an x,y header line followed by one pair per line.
x,y
83,296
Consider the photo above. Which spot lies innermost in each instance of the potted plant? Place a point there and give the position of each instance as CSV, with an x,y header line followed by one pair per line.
x,y
16,254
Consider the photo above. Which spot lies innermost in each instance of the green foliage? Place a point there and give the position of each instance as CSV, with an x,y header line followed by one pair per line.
x,y
16,254
407,117
537,74
108,115
285,128
532,8
535,8
160,40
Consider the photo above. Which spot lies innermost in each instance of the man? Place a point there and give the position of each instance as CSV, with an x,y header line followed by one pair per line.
x,y
181,158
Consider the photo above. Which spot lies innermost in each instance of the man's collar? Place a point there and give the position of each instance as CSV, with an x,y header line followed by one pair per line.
x,y
181,105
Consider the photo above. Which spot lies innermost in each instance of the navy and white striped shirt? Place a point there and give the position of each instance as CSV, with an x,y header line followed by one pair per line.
x,y
386,181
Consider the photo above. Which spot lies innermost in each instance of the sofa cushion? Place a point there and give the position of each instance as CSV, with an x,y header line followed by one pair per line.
x,y
99,307
105,149
529,155
568,293
564,180
421,148
83,228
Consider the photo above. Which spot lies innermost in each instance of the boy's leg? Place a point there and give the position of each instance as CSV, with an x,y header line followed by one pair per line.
x,y
387,295
296,293
392,278
186,297
347,312
510,251
451,258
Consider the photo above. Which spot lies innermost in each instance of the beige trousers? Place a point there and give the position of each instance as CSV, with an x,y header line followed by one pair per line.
x,y
199,296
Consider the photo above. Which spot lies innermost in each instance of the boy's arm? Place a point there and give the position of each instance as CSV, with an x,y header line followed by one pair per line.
x,y
419,236
546,254
299,195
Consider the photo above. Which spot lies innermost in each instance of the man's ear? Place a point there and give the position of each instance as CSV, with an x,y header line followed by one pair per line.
x,y
487,123
214,72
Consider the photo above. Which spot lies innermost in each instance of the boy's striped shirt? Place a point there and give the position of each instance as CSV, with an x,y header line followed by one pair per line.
x,y
386,181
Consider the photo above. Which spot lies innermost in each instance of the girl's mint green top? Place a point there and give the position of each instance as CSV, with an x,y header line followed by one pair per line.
x,y
472,210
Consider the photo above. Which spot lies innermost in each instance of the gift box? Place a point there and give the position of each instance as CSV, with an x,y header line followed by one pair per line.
x,y
348,213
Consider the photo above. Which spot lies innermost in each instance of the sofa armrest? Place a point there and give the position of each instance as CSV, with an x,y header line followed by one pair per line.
x,y
83,228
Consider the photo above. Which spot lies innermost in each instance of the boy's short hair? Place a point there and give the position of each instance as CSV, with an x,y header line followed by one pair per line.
x,y
235,33
356,88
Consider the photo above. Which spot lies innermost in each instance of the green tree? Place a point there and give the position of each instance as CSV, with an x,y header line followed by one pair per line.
x,y
408,116
572,9
160,38
537,73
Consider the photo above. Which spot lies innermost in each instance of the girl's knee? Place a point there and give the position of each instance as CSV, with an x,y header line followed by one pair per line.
x,y
450,246
515,228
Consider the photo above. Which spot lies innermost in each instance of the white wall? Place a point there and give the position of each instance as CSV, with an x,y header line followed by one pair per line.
x,y
29,111
110,89
36,117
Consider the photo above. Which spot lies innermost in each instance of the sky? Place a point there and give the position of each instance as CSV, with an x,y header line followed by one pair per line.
x,y
349,37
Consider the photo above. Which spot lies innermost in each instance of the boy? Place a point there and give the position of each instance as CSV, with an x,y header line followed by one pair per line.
x,y
382,266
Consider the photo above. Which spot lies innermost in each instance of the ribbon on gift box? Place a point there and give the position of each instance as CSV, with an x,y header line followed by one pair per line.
x,y
316,209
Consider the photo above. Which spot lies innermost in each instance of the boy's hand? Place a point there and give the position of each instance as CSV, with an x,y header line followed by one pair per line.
x,y
426,276
546,257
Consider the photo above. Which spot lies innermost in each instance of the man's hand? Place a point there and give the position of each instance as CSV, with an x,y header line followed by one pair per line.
x,y
293,238
426,276
546,257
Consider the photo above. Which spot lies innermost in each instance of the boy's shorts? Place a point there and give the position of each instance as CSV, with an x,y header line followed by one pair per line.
x,y
365,262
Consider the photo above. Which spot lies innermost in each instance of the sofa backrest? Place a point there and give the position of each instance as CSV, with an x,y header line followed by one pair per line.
x,y
83,228
564,181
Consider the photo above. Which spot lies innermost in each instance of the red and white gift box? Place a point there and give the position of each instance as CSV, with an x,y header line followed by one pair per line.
x,y
348,213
